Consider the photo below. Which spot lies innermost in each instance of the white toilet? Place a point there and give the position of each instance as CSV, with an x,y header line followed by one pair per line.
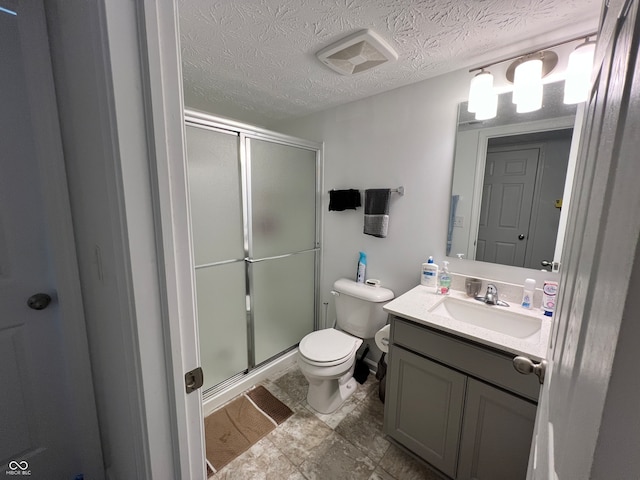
x,y
327,357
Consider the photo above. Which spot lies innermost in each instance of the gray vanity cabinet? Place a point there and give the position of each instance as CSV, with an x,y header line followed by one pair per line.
x,y
425,402
461,407
496,434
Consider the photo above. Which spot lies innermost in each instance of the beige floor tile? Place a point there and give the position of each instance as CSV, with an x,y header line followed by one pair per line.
x,y
380,474
306,446
293,384
403,466
366,388
363,428
337,459
333,419
263,461
299,435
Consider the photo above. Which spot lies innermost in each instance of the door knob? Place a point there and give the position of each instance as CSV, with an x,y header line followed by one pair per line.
x,y
39,301
521,237
526,366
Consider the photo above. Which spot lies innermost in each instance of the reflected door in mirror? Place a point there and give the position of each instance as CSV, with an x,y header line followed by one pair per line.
x,y
507,198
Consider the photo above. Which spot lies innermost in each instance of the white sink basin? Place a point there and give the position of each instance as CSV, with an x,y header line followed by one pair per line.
x,y
491,317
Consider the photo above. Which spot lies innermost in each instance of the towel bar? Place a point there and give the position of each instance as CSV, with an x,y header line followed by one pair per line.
x,y
399,190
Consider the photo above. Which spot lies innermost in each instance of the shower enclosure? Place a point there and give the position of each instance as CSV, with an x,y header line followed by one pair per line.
x,y
255,227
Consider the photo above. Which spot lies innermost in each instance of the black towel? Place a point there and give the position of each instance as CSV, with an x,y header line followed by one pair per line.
x,y
376,211
340,200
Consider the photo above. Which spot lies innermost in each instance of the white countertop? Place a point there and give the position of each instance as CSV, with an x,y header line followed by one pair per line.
x,y
416,303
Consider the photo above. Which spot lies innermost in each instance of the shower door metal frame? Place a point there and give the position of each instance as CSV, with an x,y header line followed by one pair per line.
x,y
245,134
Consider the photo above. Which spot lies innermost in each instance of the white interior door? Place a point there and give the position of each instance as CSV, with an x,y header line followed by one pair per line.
x,y
602,237
48,421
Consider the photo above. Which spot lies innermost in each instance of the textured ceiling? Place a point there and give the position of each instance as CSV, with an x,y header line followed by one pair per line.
x,y
254,60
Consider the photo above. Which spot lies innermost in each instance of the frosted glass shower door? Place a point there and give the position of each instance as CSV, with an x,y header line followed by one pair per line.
x,y
218,241
283,244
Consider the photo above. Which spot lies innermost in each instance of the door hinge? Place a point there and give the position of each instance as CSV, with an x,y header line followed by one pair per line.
x,y
193,380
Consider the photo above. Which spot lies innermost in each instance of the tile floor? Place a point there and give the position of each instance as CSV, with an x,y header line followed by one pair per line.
x,y
347,444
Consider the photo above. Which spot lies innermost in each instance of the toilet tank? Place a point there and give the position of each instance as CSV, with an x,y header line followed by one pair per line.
x,y
359,307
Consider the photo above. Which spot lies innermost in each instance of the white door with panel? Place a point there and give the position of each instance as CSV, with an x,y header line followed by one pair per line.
x,y
47,416
600,245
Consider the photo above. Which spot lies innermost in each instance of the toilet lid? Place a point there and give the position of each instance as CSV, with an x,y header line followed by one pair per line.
x,y
328,345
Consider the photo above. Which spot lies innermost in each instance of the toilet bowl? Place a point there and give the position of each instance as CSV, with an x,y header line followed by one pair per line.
x,y
327,360
327,357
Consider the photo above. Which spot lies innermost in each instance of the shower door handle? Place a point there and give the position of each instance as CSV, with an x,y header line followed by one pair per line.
x,y
193,380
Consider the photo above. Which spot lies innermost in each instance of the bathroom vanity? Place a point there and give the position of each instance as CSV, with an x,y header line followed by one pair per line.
x,y
453,395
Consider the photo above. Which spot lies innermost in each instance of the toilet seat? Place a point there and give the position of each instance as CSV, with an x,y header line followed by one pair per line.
x,y
328,347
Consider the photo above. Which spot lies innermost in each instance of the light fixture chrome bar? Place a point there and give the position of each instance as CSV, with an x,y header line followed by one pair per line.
x,y
574,39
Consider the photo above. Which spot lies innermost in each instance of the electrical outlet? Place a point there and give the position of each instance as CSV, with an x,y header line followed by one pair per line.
x,y
458,221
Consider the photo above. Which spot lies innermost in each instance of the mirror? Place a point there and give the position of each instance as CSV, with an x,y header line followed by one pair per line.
x,y
511,183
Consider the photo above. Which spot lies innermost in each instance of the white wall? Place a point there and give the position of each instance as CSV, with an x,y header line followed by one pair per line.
x,y
402,137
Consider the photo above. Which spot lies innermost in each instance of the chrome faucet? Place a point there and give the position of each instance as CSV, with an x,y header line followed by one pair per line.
x,y
491,297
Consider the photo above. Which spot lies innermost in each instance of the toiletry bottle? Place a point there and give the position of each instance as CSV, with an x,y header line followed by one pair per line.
x,y
549,292
362,267
527,292
429,276
444,280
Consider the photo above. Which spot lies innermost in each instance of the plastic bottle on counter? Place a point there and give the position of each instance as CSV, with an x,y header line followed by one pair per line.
x,y
549,292
444,280
528,290
429,275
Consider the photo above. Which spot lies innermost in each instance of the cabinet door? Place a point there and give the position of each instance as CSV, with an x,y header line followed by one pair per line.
x,y
423,408
496,434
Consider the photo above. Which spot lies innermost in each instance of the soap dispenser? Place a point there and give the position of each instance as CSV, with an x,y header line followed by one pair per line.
x,y
444,280
429,275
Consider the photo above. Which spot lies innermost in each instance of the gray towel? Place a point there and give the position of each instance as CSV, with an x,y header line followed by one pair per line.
x,y
376,211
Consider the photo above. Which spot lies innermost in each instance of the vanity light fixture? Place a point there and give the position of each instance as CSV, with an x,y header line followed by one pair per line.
x,y
481,85
488,108
526,73
578,81
483,100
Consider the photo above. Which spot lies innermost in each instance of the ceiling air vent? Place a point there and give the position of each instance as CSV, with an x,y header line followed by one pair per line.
x,y
357,53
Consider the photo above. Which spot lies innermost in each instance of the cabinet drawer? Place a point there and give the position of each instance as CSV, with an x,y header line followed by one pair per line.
x,y
493,367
